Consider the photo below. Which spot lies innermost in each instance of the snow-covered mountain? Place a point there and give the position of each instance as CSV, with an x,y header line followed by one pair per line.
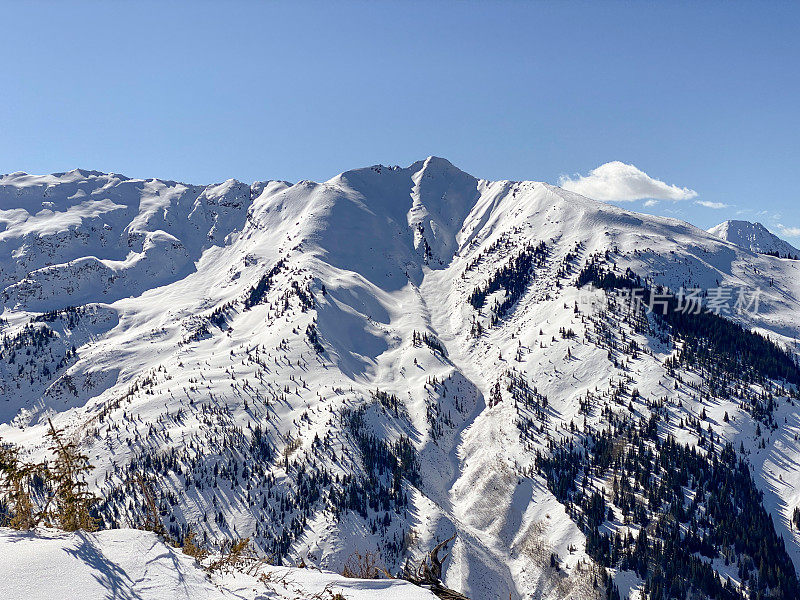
x,y
756,237
397,355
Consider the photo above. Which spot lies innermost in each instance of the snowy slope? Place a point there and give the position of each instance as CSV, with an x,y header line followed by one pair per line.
x,y
754,236
136,565
242,347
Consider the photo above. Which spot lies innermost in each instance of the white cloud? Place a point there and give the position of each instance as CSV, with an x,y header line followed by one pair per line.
x,y
714,205
650,203
789,231
622,182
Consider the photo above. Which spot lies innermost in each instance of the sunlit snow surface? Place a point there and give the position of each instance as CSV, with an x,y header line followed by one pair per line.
x,y
127,564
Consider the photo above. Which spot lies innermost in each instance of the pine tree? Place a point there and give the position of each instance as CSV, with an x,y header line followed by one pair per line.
x,y
73,502
17,489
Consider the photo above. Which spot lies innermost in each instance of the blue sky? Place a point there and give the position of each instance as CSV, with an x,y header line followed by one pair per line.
x,y
702,96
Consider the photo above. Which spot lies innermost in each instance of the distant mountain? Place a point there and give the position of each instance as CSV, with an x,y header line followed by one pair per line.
x,y
375,363
755,237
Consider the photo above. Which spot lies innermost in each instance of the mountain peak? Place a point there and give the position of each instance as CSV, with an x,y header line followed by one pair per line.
x,y
432,165
755,237
435,163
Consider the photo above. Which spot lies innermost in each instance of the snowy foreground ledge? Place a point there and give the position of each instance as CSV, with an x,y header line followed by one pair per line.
x,y
128,564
